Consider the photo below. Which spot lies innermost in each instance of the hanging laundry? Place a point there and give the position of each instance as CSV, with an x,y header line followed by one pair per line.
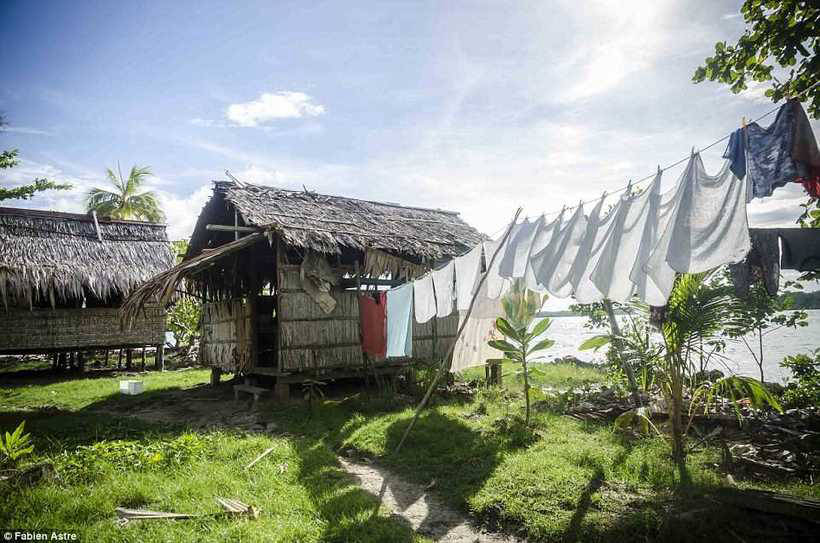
x,y
443,283
467,269
517,252
762,263
771,153
800,249
708,227
658,215
811,186
373,324
424,299
496,285
805,151
588,254
554,273
611,275
400,321
736,153
543,247
471,349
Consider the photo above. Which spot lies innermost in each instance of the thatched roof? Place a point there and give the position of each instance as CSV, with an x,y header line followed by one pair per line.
x,y
329,224
48,255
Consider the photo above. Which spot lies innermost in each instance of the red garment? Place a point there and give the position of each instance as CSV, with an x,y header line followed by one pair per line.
x,y
812,185
373,324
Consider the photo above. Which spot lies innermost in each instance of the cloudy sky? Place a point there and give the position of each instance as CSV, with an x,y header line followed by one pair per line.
x,y
478,107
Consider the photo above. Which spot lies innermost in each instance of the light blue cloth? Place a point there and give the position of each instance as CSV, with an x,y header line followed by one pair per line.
x,y
400,321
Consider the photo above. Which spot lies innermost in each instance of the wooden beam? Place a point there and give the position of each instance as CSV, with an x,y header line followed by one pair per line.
x,y
236,229
96,225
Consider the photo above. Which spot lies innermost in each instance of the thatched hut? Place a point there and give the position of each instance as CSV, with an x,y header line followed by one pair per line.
x,y
280,272
63,277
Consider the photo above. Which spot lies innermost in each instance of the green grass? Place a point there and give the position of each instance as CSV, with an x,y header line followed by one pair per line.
x,y
105,460
73,392
567,480
551,374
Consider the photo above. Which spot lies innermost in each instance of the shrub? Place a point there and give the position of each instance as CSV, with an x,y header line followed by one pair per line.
x,y
803,390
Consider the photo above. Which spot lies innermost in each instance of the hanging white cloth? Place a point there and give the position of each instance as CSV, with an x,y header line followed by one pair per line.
x,y
496,284
611,275
658,215
543,252
471,349
467,268
708,227
443,283
400,321
583,289
424,300
554,273
517,252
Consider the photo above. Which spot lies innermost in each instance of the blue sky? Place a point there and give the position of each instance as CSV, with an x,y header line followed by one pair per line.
x,y
477,107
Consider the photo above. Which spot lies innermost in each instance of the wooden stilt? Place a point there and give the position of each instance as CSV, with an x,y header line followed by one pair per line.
x,y
119,361
216,374
143,358
159,357
129,354
107,352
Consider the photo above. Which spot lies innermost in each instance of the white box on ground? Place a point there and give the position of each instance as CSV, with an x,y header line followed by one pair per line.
x,y
131,387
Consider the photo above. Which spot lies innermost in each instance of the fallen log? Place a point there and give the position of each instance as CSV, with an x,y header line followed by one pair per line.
x,y
772,503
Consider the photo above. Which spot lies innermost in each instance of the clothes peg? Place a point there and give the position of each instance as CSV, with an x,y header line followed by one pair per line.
x,y
692,152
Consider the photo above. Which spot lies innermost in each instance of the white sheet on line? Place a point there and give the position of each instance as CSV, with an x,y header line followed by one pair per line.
x,y
467,268
443,283
658,215
495,283
517,252
611,275
554,274
592,243
424,300
708,226
547,244
471,349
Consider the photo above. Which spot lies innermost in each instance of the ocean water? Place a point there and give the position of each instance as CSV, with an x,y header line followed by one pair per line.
x,y
569,332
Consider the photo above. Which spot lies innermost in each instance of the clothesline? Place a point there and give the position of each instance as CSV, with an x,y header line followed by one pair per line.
x,y
667,167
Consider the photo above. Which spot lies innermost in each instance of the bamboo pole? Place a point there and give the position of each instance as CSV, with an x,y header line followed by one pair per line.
x,y
429,392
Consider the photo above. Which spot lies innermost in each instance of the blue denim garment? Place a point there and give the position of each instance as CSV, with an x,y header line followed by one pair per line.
x,y
769,162
736,153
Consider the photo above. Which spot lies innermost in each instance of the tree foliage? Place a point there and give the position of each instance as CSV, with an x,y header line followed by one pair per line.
x,y
185,315
782,34
8,159
126,200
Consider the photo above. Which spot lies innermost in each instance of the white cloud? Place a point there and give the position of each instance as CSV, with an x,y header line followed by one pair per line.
x,y
271,106
26,130
182,212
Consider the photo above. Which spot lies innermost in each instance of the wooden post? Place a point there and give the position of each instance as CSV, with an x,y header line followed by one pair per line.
x,y
443,364
159,357
143,358
216,373
55,360
61,361
107,353
119,360
80,361
128,358
72,360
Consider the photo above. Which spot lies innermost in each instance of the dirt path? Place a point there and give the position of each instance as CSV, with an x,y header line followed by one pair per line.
x,y
427,515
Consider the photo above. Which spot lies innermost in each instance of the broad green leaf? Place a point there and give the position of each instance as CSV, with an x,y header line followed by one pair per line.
x,y
540,327
595,343
502,345
541,345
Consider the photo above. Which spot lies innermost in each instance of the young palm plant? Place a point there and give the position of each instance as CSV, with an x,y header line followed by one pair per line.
x,y
520,346
126,201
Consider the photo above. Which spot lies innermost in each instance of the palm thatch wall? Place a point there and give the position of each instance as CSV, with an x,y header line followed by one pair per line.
x,y
55,259
24,330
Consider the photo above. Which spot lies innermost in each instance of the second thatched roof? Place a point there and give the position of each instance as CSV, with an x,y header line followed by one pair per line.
x,y
61,257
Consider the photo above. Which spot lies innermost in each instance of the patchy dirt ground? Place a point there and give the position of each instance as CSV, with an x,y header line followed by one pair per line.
x,y
427,515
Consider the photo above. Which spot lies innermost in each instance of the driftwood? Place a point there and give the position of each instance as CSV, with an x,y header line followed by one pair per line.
x,y
258,458
126,515
236,507
772,503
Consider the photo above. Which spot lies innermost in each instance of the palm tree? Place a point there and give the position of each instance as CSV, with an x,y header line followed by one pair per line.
x,y
126,201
